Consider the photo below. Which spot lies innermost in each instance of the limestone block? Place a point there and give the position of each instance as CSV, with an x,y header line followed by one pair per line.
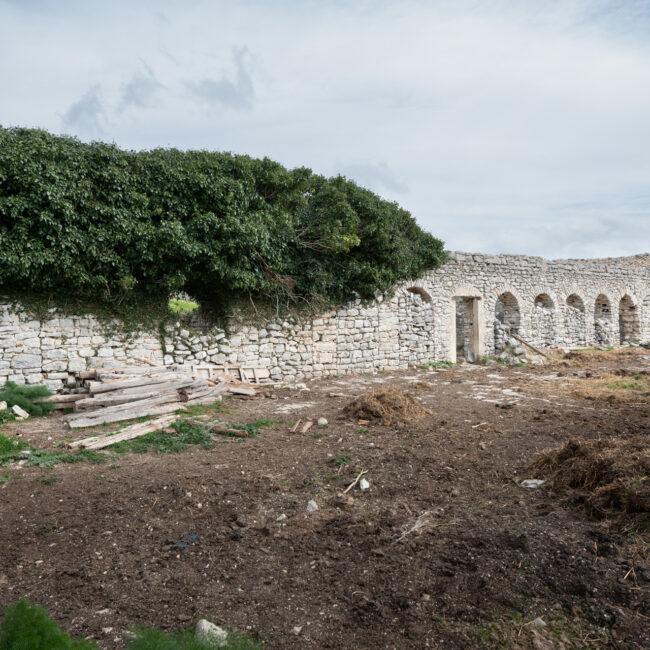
x,y
23,361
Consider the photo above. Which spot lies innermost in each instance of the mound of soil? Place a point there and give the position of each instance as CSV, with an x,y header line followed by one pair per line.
x,y
609,476
390,406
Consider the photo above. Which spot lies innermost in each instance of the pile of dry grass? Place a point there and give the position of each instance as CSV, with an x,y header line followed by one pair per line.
x,y
612,388
390,406
608,476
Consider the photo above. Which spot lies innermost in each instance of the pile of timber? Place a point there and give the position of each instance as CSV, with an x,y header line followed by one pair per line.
x,y
129,392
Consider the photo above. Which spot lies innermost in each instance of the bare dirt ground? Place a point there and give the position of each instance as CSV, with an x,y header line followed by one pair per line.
x,y
444,550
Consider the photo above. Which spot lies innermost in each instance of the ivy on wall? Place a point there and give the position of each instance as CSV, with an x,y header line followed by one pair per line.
x,y
122,227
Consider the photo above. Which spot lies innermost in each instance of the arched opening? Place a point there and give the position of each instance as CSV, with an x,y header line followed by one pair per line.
x,y
603,321
574,320
628,320
416,324
418,291
507,318
543,321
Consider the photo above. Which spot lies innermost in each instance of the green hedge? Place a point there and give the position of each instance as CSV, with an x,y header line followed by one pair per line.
x,y
118,227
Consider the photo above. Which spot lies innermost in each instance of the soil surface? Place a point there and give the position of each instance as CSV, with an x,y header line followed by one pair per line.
x,y
444,550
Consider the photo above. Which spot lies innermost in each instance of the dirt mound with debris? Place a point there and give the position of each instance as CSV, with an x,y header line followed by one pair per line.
x,y
609,477
390,406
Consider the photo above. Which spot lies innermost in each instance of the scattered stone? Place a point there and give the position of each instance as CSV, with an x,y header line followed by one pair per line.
x,y
281,517
107,630
21,414
363,484
482,445
210,634
537,623
3,406
322,422
532,483
296,630
519,351
312,506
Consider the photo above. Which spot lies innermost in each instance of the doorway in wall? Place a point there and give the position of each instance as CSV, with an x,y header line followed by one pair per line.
x,y
466,328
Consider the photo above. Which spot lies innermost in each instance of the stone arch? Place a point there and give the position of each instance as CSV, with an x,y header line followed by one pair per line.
x,y
603,320
419,291
628,320
416,326
574,320
543,322
507,318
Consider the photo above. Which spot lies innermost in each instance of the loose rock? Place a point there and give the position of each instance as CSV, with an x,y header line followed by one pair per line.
x,y
312,506
210,634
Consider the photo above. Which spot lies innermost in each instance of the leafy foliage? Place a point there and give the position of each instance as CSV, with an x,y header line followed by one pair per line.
x,y
121,227
28,627
24,397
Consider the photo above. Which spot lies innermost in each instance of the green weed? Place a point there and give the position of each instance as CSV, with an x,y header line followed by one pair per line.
x,y
28,626
340,461
24,397
182,306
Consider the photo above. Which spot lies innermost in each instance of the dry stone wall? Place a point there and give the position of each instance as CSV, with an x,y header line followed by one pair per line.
x,y
548,303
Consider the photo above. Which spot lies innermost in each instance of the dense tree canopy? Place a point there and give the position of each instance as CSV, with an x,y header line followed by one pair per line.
x,y
115,226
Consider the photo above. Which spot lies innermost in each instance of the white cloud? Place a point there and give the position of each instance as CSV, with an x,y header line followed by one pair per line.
x,y
503,126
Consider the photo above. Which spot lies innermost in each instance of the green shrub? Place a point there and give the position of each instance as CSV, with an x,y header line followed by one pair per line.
x,y
126,228
24,397
27,627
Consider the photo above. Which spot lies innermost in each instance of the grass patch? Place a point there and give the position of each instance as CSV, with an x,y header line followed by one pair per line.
x,y
340,461
10,448
149,639
436,364
50,480
201,409
182,306
252,428
46,458
28,626
636,382
24,397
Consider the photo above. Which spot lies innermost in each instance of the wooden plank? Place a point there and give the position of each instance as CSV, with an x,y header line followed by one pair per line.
x,y
170,396
131,414
63,399
241,390
128,433
97,387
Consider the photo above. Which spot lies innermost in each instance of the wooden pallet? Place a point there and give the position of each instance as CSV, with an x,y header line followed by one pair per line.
x,y
247,374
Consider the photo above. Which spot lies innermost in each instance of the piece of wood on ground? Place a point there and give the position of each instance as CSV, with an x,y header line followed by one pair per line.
x,y
356,480
294,428
241,390
533,348
306,426
126,414
128,433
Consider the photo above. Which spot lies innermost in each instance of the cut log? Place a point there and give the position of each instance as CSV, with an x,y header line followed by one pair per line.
x,y
305,427
128,433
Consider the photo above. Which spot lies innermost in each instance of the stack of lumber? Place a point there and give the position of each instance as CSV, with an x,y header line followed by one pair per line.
x,y
129,392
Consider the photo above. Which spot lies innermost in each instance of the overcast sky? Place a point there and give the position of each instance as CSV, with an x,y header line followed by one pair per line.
x,y
514,127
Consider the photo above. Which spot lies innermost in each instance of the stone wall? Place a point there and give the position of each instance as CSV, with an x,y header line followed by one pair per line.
x,y
561,302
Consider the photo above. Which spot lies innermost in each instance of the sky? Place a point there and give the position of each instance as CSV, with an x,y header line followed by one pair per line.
x,y
518,126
